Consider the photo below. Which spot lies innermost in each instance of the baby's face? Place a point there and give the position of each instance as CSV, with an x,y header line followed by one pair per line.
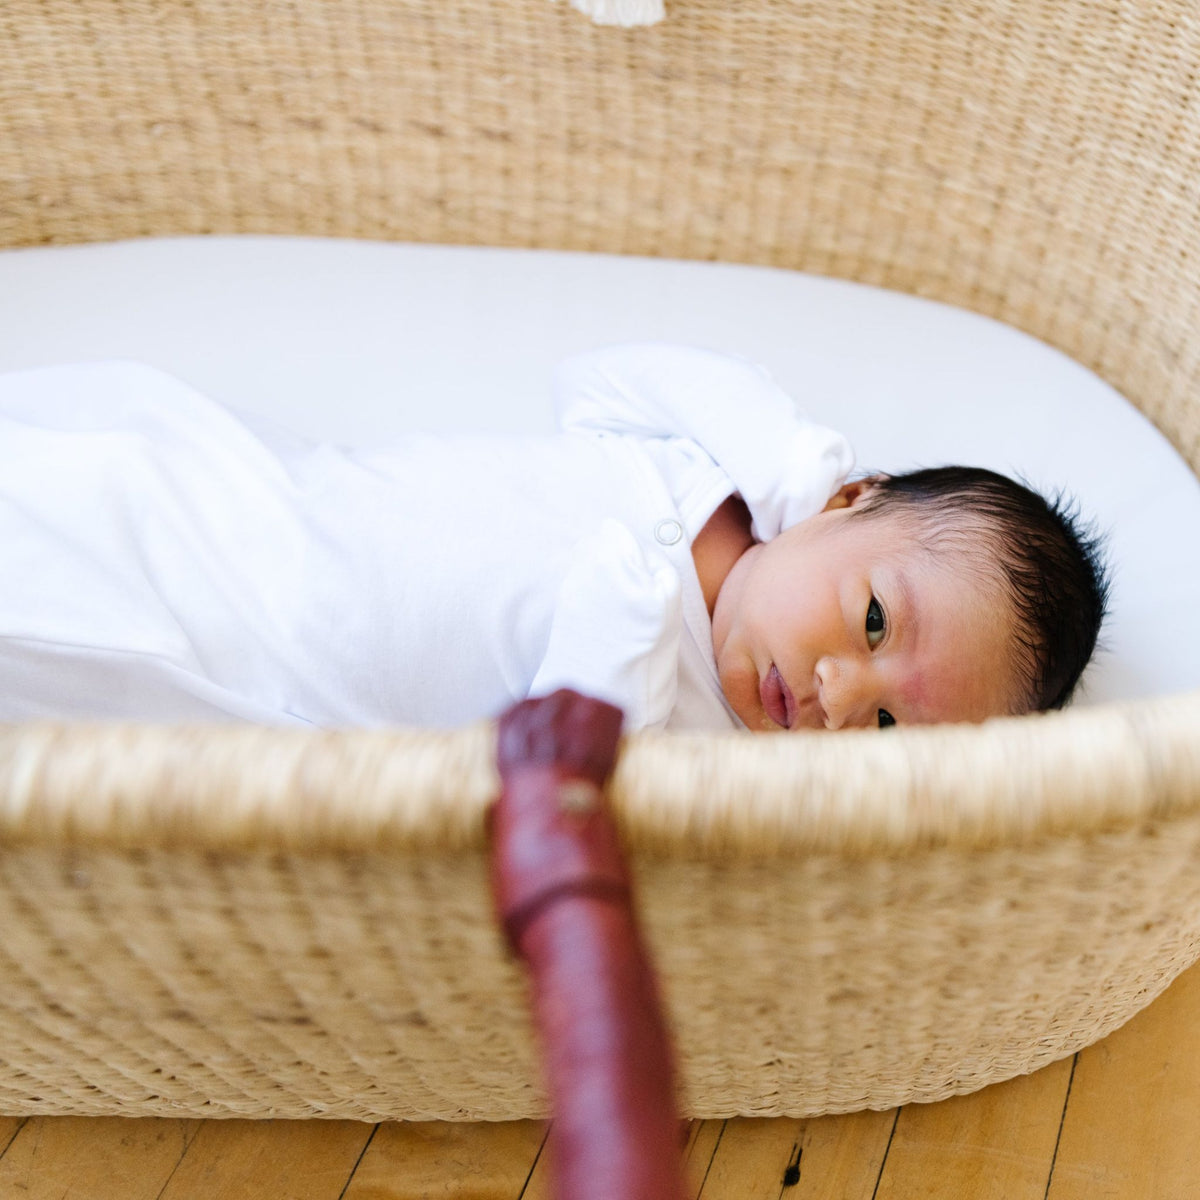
x,y
843,622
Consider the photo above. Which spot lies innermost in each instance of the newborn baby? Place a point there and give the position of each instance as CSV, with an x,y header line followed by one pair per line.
x,y
687,547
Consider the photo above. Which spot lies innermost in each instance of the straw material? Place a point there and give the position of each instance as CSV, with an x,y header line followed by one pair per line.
x,y
244,921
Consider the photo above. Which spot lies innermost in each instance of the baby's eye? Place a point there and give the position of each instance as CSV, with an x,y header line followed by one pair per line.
x,y
876,623
885,718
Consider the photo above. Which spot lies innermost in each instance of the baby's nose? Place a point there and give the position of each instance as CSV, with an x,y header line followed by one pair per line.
x,y
842,691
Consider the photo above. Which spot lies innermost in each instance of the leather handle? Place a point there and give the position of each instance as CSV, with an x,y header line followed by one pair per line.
x,y
563,894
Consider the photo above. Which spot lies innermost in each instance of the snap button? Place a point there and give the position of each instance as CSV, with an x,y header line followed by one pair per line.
x,y
668,532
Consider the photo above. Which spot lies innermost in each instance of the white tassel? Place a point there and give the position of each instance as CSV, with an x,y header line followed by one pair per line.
x,y
621,12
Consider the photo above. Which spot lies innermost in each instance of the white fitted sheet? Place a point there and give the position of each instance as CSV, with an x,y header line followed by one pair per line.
x,y
330,337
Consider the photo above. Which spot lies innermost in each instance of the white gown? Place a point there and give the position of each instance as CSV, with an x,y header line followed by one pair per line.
x,y
168,561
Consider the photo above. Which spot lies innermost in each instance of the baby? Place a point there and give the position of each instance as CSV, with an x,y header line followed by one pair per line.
x,y
687,547
951,594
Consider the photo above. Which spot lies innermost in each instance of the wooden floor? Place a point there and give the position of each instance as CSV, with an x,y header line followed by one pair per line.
x,y
1117,1122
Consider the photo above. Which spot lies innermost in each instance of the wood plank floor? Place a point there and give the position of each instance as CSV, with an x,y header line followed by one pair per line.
x,y
1119,1121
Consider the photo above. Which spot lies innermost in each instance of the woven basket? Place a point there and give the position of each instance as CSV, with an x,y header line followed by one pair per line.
x,y
258,922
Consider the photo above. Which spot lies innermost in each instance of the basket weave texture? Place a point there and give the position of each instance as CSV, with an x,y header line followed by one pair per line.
x,y
256,922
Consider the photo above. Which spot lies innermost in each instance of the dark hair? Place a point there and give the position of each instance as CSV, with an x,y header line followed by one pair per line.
x,y
1051,565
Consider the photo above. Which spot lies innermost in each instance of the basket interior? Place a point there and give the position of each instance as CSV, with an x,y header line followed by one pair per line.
x,y
1032,160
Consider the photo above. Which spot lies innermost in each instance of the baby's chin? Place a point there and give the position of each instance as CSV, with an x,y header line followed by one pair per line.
x,y
764,724
741,690
733,688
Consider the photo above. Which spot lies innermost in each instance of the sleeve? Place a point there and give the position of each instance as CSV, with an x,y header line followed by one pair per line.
x,y
784,466
616,628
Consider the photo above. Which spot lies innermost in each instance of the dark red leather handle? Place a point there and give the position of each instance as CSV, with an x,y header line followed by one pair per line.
x,y
563,893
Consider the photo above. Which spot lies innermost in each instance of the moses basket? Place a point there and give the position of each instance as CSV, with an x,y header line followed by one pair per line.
x,y
239,920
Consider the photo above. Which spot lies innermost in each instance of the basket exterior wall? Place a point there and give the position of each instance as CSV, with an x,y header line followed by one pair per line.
x,y
375,987
259,922
838,925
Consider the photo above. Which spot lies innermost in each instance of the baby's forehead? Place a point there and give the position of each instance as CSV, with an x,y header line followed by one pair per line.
x,y
910,545
914,529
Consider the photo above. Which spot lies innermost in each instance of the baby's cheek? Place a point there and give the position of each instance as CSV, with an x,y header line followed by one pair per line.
x,y
914,690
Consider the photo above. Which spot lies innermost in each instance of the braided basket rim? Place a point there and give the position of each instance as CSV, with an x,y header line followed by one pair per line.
x,y
215,787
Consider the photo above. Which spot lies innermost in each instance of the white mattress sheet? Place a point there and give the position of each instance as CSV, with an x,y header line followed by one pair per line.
x,y
356,341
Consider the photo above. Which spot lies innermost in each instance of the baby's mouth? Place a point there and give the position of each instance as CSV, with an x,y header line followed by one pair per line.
x,y
777,699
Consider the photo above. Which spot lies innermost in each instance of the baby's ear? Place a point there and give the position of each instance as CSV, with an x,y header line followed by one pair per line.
x,y
853,493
